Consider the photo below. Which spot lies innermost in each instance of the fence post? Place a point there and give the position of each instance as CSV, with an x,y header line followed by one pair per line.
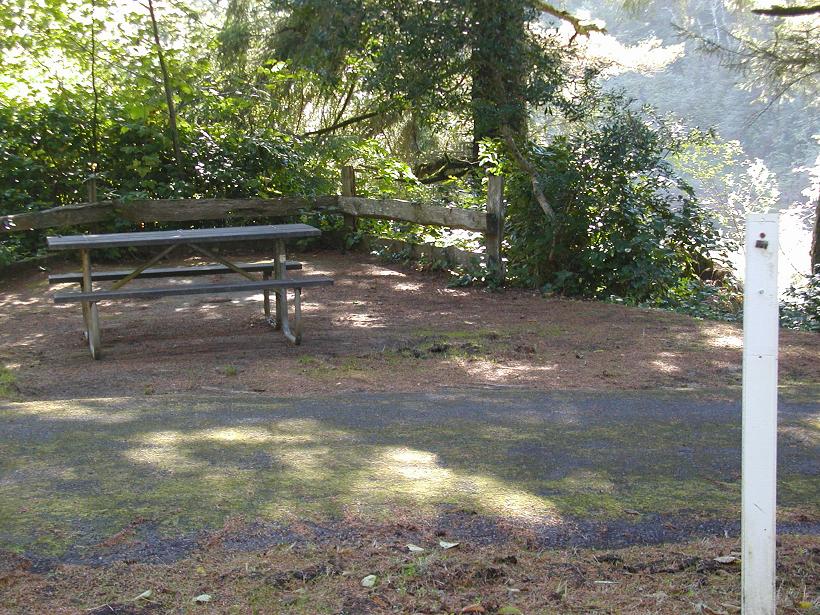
x,y
495,226
759,465
349,189
91,185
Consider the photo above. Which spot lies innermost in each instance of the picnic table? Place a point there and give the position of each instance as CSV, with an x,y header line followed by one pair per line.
x,y
274,275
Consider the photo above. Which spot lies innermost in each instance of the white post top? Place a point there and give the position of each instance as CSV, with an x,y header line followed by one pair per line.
x,y
760,286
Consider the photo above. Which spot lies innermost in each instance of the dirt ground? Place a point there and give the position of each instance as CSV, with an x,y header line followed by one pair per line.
x,y
206,457
378,318
503,579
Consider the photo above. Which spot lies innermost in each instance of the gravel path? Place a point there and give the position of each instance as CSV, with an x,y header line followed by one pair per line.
x,y
148,477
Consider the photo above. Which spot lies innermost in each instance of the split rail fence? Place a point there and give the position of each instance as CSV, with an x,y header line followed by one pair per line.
x,y
490,223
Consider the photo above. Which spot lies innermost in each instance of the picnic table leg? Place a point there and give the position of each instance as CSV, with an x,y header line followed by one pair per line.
x,y
280,262
90,315
293,334
297,316
266,295
282,319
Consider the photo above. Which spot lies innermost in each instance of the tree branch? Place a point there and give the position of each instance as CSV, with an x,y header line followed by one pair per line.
x,y
166,82
530,170
788,11
347,122
580,28
442,170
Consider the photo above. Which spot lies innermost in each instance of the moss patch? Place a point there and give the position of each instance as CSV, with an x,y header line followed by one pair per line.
x,y
8,384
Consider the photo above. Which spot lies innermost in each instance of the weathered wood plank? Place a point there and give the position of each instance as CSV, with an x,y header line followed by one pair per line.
x,y
165,272
165,238
193,289
419,213
183,210
67,215
177,210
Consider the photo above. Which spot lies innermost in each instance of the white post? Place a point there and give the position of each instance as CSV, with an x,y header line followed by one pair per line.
x,y
760,331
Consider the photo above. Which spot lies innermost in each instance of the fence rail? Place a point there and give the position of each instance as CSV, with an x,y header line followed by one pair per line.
x,y
352,207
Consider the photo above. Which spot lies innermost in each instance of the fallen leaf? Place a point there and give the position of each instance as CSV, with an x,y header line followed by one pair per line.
x,y
202,598
144,595
630,511
379,601
369,581
414,548
447,545
474,608
726,559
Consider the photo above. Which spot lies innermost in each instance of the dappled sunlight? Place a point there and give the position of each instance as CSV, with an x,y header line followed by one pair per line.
x,y
288,431
806,433
408,286
717,335
452,292
361,320
71,410
11,300
733,342
306,430
162,457
161,451
233,434
490,371
19,302
162,438
416,465
664,363
28,340
419,476
307,464
374,270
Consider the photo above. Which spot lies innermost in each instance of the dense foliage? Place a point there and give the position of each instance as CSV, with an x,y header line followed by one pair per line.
x,y
627,227
269,98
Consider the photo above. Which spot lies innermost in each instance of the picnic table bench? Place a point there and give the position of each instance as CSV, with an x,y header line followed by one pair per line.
x,y
274,276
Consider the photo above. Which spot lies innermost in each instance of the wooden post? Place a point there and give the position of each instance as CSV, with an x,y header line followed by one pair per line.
x,y
281,272
349,189
759,474
91,184
90,314
495,226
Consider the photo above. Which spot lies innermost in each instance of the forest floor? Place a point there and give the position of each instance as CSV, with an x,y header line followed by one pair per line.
x,y
584,456
377,318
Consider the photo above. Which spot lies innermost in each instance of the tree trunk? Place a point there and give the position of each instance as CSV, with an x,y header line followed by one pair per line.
x,y
815,240
166,82
498,69
95,138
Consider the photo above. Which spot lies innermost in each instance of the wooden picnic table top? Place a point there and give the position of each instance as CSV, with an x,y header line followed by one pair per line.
x,y
164,238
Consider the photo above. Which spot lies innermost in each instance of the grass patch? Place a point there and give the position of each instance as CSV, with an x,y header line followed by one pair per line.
x,y
8,384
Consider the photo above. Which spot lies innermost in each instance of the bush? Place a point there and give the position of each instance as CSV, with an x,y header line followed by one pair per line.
x,y
626,226
800,306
